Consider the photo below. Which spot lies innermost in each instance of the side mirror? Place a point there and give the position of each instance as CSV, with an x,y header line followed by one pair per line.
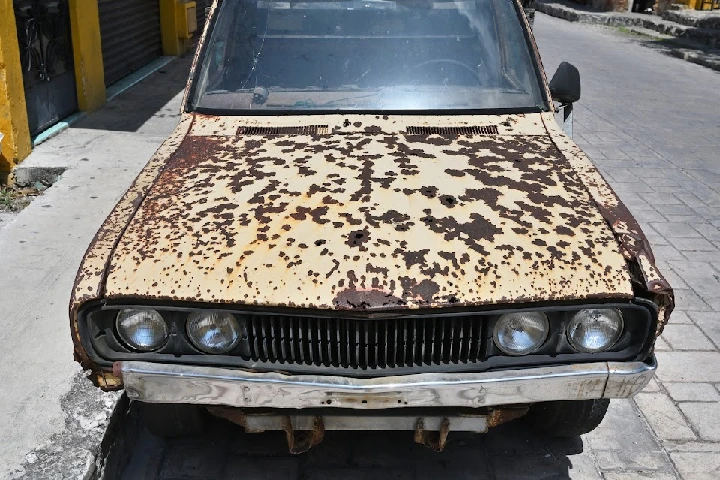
x,y
565,84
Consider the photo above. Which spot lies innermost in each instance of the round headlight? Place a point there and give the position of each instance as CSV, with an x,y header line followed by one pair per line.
x,y
213,332
521,333
595,329
142,330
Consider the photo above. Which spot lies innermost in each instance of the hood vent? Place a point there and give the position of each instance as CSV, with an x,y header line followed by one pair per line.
x,y
469,130
301,130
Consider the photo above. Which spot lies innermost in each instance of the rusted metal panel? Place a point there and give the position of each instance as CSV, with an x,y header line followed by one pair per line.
x,y
306,430
90,279
368,220
498,416
647,279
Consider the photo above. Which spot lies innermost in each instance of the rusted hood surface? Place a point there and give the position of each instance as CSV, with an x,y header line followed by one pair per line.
x,y
368,220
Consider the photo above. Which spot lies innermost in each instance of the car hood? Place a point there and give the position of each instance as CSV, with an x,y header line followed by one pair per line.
x,y
367,219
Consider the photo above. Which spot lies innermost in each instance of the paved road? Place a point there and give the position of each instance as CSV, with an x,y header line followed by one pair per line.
x,y
652,125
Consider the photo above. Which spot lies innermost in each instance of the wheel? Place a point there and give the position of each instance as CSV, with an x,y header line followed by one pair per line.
x,y
168,420
567,418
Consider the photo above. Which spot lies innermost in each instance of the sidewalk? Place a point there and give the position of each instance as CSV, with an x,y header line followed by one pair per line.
x,y
689,35
659,149
44,395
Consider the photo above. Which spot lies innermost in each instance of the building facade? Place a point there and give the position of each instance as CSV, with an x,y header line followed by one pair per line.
x,y
57,57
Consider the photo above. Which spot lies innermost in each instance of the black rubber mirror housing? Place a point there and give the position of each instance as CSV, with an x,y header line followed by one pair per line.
x,y
565,84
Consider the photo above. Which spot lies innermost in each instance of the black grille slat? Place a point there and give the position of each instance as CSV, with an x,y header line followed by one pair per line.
x,y
320,327
404,342
276,332
356,346
376,345
294,350
412,359
313,344
429,340
344,344
329,350
338,344
257,340
386,342
439,338
465,351
365,343
451,342
456,340
285,343
419,328
476,335
464,130
301,342
267,338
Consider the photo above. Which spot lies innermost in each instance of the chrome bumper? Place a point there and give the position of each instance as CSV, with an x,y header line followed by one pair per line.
x,y
163,383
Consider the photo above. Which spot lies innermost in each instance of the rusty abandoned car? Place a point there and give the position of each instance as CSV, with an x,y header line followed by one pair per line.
x,y
370,218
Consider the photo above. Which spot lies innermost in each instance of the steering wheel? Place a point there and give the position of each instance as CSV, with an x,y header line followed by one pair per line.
x,y
450,61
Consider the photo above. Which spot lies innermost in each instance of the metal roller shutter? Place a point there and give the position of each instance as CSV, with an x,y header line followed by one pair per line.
x,y
201,5
131,38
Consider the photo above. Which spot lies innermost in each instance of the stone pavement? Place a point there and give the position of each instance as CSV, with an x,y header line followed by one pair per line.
x,y
510,451
40,250
653,128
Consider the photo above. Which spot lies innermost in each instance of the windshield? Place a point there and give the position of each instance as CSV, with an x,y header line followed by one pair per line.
x,y
370,55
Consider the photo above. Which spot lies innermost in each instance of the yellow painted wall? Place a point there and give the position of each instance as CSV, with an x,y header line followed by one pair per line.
x,y
174,24
697,4
13,112
87,52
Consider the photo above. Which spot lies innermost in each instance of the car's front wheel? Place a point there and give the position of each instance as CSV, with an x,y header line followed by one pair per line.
x,y
168,420
567,418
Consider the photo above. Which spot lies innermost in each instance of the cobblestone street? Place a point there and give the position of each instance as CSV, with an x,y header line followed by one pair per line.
x,y
651,124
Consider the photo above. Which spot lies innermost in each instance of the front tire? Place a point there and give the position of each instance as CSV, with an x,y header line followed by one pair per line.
x,y
567,418
170,420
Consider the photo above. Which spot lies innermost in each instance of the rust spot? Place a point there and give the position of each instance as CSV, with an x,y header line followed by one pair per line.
x,y
366,299
434,440
358,238
498,416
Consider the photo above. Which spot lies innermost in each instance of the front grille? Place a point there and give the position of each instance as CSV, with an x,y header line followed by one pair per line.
x,y
365,344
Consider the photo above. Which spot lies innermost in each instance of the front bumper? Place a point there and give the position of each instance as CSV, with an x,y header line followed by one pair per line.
x,y
164,383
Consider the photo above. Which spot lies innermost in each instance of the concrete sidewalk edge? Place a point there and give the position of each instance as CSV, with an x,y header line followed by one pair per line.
x,y
79,451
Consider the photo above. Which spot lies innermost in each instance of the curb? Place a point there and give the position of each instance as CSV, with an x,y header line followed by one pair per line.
x,y
687,53
699,34
79,451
